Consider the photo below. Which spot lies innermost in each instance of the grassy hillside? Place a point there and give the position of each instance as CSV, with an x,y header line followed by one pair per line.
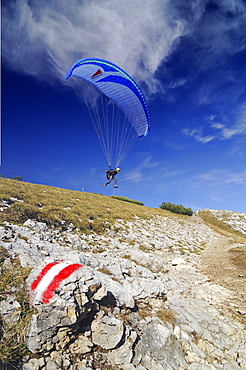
x,y
88,212
221,226
57,207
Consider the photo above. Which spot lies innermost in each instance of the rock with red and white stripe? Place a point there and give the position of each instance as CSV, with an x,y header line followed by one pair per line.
x,y
52,282
67,296
50,278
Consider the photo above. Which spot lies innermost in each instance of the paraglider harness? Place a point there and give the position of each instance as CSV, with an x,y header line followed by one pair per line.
x,y
110,174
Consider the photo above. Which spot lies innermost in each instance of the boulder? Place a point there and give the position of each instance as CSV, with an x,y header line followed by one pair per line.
x,y
107,331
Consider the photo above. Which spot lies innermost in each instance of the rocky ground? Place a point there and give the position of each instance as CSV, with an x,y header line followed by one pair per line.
x,y
162,293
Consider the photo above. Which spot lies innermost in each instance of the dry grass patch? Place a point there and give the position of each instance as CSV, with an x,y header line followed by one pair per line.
x,y
220,226
165,315
12,336
104,271
60,207
145,249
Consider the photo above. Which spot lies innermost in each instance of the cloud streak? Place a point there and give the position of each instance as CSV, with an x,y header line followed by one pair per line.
x,y
240,126
198,135
220,32
220,128
44,39
138,174
218,177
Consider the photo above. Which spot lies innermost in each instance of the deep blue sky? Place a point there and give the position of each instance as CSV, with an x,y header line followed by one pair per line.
x,y
189,59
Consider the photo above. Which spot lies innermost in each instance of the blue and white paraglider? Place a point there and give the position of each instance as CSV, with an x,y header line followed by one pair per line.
x,y
117,107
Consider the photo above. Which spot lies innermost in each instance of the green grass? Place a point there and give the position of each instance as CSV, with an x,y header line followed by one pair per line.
x,y
60,207
127,200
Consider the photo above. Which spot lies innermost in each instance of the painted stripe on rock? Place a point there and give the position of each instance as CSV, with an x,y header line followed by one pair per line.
x,y
50,278
63,274
41,274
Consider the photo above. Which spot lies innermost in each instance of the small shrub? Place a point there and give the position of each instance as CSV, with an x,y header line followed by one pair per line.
x,y
176,208
127,200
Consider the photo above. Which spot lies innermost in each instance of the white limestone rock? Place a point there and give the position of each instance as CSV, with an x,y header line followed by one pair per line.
x,y
107,331
10,310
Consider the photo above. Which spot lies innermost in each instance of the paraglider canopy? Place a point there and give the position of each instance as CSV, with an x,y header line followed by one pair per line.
x,y
118,87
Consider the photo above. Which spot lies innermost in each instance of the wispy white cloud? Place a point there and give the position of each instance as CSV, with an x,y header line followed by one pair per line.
x,y
198,135
134,176
217,125
143,170
216,197
149,169
236,178
218,177
94,170
227,130
221,128
217,36
211,177
148,162
220,31
43,39
167,173
178,83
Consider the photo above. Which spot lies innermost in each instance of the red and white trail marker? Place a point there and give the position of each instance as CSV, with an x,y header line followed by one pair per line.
x,y
50,278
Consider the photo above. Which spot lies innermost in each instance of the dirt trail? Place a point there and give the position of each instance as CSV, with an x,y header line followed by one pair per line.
x,y
225,267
